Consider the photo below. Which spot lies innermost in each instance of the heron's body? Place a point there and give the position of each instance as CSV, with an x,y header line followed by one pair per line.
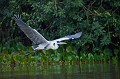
x,y
50,45
38,40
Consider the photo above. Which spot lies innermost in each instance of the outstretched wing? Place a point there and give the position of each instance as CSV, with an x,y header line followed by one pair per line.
x,y
77,35
31,33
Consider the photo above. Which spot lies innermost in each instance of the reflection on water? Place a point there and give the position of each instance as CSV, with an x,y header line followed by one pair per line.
x,y
84,71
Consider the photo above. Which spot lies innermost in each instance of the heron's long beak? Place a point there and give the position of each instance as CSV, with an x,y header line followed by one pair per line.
x,y
62,43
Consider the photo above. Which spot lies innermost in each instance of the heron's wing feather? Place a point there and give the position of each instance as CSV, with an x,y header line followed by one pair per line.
x,y
31,33
77,35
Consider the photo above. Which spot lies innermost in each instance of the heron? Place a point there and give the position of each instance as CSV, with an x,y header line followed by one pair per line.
x,y
39,42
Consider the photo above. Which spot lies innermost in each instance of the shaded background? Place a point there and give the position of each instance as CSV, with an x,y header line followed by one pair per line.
x,y
99,20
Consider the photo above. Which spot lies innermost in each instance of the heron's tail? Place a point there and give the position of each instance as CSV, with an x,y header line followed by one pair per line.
x,y
34,46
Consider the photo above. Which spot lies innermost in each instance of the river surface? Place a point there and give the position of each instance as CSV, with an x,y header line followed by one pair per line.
x,y
82,71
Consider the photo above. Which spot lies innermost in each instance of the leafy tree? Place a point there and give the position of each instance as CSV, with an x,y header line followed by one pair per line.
x,y
99,20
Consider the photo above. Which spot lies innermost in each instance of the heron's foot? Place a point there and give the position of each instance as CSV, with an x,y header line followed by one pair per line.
x,y
28,53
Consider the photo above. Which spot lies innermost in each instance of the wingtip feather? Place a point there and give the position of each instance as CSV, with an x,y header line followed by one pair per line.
x,y
78,34
15,17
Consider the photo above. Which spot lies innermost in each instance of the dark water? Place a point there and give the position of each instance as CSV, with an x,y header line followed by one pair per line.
x,y
84,71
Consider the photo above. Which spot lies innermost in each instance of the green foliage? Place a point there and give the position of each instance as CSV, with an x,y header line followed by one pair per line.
x,y
98,20
60,56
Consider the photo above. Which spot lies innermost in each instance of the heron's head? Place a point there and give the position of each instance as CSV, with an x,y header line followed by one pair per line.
x,y
59,42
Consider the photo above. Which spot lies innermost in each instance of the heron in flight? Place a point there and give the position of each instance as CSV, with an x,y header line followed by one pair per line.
x,y
38,40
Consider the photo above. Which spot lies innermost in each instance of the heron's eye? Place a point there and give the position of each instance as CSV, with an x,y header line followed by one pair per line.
x,y
58,41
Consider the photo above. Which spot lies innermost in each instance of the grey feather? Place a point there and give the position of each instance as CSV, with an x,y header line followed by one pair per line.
x,y
77,35
31,33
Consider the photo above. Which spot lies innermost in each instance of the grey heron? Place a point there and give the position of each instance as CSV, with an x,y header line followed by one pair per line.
x,y
38,40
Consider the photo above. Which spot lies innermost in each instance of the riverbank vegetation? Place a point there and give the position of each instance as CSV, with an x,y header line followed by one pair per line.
x,y
98,20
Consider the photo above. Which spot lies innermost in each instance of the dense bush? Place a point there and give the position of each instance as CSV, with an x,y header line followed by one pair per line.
x,y
99,20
